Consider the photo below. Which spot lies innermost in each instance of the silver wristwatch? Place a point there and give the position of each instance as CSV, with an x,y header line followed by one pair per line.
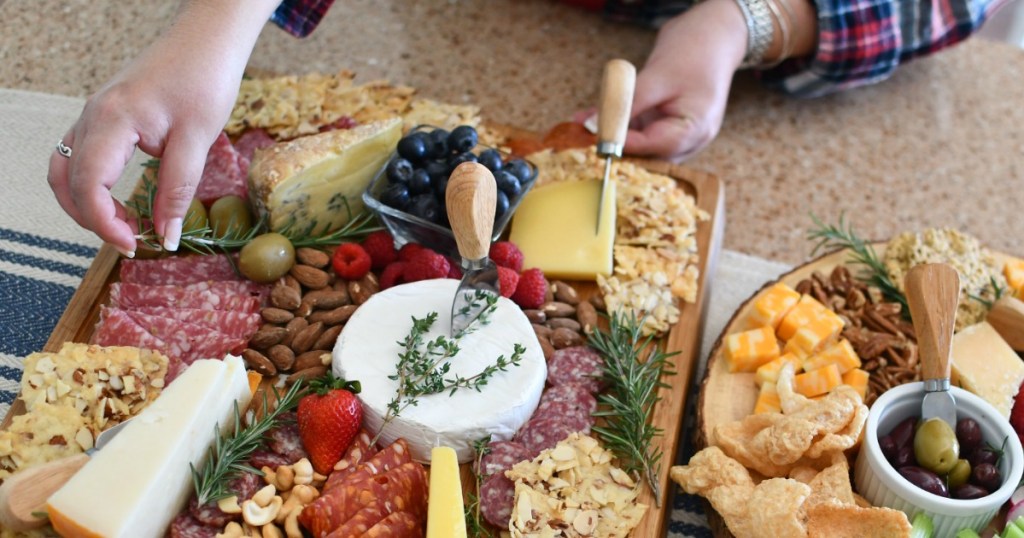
x,y
760,30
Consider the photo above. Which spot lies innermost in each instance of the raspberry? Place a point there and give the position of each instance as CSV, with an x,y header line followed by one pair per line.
x,y
531,289
406,252
381,248
424,265
507,281
507,254
350,261
392,275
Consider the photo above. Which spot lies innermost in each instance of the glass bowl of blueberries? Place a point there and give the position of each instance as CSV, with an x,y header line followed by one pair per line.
x,y
408,193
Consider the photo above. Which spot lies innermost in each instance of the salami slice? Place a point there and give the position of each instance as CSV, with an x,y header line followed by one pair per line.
x,y
178,270
285,440
188,341
567,399
502,455
397,525
131,296
221,175
497,495
232,287
393,456
542,433
186,526
247,144
267,458
577,364
234,324
244,487
117,328
360,451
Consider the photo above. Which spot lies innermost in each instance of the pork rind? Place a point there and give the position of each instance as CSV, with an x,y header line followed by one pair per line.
x,y
835,520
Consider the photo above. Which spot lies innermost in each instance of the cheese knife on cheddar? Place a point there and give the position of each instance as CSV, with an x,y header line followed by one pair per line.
x,y
613,114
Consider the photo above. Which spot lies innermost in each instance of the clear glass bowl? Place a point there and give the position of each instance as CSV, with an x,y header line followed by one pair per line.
x,y
406,227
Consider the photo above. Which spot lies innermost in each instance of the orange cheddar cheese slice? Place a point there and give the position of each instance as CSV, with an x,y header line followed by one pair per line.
x,y
858,379
1013,270
818,382
746,351
768,400
769,371
815,336
840,353
772,305
806,310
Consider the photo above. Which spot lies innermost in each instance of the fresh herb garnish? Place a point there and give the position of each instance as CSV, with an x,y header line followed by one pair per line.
x,y
633,366
996,293
475,526
227,457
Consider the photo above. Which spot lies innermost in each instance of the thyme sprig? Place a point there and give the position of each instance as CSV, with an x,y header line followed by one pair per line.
x,y
475,526
227,457
424,366
633,368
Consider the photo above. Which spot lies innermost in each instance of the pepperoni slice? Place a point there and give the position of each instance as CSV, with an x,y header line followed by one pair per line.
x,y
578,364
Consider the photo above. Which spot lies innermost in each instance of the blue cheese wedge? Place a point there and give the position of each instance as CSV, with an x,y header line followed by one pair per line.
x,y
984,364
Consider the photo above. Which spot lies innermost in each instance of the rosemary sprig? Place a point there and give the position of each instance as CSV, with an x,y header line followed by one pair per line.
x,y
475,526
423,366
861,253
996,293
633,366
227,457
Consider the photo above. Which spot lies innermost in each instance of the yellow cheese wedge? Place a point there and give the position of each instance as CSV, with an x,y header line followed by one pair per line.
x,y
746,351
445,515
772,305
805,311
554,227
818,382
984,364
769,371
840,353
767,400
139,481
815,336
858,379
1014,273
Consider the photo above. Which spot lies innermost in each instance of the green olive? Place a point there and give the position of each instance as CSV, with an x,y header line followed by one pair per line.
x,y
195,218
935,446
230,217
267,257
959,474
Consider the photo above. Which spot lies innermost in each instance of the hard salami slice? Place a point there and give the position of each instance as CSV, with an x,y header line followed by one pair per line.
x,y
497,494
577,364
541,433
177,270
567,399
397,525
501,457
244,487
232,287
360,451
186,526
130,296
117,328
267,458
234,324
247,144
285,440
188,341
222,175
393,456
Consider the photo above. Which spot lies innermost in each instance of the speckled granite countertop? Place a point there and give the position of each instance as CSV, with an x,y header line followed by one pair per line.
x,y
939,144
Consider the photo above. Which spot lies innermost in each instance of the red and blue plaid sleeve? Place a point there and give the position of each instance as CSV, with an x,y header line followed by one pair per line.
x,y
300,17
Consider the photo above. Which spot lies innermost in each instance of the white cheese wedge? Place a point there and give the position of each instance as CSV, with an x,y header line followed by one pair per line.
x,y
984,364
139,481
368,347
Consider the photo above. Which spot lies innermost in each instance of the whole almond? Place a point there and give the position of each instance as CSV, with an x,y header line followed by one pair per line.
x,y
304,339
597,300
285,297
327,298
310,359
586,314
310,277
535,316
294,327
305,307
333,317
282,356
306,375
361,290
564,323
340,284
549,293
290,281
562,338
542,330
313,257
557,309
546,347
266,337
370,280
565,293
276,315
259,362
328,338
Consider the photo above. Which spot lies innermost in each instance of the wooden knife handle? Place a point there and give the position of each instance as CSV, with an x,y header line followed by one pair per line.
x,y
1007,317
470,198
617,86
933,293
26,492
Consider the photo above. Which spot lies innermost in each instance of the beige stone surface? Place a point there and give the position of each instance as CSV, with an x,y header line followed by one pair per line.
x,y
939,144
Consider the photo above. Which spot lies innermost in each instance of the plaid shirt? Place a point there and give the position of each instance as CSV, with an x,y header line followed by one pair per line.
x,y
859,41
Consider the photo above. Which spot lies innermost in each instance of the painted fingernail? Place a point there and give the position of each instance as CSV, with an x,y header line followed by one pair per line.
x,y
172,234
126,253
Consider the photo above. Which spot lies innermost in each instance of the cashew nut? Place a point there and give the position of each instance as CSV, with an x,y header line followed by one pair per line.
x,y
265,495
284,477
302,471
271,531
262,508
232,530
291,524
229,505
298,498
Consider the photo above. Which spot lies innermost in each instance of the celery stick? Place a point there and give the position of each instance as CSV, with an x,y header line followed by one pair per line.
x,y
922,526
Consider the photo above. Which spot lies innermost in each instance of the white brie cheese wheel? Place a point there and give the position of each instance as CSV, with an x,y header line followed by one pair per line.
x,y
367,351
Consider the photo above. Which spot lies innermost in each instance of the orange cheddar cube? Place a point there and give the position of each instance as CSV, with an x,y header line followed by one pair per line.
x,y
772,305
817,335
841,354
858,379
769,371
768,400
818,382
1014,273
805,311
746,351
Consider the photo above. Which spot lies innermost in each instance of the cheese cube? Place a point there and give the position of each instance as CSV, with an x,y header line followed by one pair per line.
x,y
817,335
746,351
841,354
818,382
806,310
1013,270
984,364
768,400
769,372
858,379
772,305
445,515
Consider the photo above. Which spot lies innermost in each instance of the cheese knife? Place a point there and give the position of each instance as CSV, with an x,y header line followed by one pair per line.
x,y
470,200
933,293
613,113
24,494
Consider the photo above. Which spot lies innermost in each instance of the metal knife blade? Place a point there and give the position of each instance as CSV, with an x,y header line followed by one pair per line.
x,y
470,199
613,114
933,293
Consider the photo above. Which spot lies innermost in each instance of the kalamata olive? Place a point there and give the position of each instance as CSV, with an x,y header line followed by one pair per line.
x,y
968,433
968,491
925,479
903,433
904,456
230,217
959,474
195,217
267,257
987,476
935,446
983,454
888,447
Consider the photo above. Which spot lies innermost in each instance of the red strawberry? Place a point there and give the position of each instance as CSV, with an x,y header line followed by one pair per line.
x,y
531,289
507,254
329,419
454,271
507,281
425,265
1017,414
392,275
405,253
381,248
350,261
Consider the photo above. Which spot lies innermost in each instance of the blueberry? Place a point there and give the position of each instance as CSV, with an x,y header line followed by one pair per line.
x,y
420,182
415,147
439,141
508,183
462,138
440,186
490,158
465,157
438,170
500,205
425,206
520,169
396,196
399,170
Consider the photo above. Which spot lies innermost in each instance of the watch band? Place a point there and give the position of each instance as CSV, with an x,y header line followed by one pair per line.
x,y
760,30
